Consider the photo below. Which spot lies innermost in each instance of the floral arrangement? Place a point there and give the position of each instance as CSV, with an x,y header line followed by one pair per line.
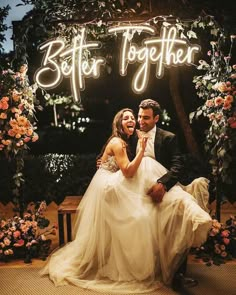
x,y
17,99
217,87
17,122
25,236
220,245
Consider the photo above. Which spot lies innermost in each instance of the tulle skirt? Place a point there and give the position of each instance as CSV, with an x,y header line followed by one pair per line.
x,y
124,243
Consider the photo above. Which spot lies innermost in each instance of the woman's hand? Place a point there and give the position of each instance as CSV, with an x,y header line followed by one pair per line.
x,y
142,142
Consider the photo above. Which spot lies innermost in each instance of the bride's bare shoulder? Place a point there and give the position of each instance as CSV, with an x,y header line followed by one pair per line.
x,y
115,140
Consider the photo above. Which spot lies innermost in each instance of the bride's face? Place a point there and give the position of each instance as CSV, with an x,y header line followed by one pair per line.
x,y
128,123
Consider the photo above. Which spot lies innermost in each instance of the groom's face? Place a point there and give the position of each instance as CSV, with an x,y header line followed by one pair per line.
x,y
146,119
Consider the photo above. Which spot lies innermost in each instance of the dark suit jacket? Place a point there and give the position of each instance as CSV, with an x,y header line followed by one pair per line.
x,y
167,153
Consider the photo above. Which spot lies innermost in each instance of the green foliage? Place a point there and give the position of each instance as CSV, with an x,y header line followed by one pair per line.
x,y
216,86
3,27
50,177
62,18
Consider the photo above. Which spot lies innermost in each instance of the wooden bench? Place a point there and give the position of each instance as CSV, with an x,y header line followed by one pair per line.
x,y
68,206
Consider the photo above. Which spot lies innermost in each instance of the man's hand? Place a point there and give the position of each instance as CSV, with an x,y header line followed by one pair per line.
x,y
98,163
156,192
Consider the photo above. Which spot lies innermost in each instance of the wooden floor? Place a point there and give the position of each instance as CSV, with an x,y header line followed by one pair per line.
x,y
51,213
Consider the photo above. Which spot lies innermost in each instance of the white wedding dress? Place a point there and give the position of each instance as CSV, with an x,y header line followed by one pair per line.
x,y
125,243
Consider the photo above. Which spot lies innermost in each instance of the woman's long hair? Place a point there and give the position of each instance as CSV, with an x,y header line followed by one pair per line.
x,y
117,129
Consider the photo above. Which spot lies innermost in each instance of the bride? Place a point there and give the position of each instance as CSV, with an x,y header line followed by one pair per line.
x,y
124,242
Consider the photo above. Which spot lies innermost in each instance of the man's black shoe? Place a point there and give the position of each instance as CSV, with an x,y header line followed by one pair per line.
x,y
180,282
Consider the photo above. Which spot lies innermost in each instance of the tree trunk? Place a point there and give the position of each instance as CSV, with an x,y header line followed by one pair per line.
x,y
184,121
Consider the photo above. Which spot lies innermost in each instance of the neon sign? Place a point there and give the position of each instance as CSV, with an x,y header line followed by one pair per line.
x,y
163,51
77,69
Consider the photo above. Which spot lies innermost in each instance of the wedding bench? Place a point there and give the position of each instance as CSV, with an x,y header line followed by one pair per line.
x,y
67,207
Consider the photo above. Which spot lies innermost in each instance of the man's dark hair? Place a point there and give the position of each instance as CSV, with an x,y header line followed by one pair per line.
x,y
151,104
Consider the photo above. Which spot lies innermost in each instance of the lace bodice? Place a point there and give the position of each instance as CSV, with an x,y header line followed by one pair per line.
x,y
110,164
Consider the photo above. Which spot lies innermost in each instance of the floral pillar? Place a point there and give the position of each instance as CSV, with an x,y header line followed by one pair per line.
x,y
17,123
217,87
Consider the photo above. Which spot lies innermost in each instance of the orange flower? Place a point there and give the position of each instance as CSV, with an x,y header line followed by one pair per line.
x,y
5,98
35,137
4,105
29,132
13,122
22,130
227,105
22,120
218,101
3,116
6,142
222,87
229,98
16,96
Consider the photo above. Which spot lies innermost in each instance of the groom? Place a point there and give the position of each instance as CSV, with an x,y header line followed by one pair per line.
x,y
162,145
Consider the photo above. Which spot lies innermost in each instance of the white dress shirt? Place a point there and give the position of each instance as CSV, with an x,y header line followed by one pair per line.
x,y
149,151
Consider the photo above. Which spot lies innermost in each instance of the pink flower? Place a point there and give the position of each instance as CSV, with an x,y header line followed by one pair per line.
x,y
226,241
11,132
217,251
219,116
16,234
19,243
7,252
223,254
211,116
214,232
26,139
225,233
232,122
222,247
210,103
35,137
6,241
